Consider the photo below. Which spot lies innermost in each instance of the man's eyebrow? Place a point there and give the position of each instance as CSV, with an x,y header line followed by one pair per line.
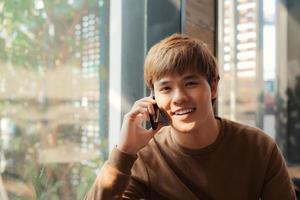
x,y
189,77
163,82
185,78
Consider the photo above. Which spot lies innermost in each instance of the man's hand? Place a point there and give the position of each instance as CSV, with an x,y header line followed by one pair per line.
x,y
133,135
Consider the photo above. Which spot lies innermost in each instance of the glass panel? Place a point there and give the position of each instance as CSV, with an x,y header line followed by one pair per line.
x,y
50,146
290,44
260,68
240,74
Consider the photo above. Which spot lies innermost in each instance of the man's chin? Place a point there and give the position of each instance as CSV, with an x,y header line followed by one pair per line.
x,y
184,127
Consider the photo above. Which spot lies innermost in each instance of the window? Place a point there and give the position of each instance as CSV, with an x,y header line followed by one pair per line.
x,y
53,97
258,41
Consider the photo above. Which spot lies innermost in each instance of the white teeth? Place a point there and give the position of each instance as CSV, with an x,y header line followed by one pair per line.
x,y
184,111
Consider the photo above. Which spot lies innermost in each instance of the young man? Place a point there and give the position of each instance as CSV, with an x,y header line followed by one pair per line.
x,y
199,155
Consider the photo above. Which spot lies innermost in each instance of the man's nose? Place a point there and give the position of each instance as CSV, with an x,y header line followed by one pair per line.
x,y
179,96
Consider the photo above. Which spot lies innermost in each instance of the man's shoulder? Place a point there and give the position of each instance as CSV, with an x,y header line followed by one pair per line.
x,y
245,141
247,134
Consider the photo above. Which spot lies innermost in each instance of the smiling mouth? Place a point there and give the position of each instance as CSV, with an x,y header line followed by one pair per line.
x,y
184,111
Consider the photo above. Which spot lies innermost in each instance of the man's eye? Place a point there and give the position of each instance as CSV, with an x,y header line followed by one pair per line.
x,y
191,83
165,89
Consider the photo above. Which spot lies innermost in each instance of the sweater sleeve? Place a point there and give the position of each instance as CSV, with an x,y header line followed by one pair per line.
x,y
277,183
114,179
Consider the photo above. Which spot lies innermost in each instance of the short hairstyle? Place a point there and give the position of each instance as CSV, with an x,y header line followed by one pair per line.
x,y
177,54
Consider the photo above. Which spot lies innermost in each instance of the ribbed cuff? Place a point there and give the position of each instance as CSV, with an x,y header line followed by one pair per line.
x,y
121,160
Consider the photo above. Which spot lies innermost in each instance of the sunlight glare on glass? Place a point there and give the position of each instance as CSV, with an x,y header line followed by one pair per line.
x,y
269,8
38,4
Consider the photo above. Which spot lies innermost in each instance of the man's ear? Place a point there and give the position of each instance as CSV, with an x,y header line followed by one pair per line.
x,y
214,89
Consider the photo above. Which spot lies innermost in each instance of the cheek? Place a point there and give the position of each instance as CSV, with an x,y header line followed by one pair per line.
x,y
207,93
163,103
206,99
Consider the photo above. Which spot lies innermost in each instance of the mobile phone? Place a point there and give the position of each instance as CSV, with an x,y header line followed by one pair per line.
x,y
157,117
154,117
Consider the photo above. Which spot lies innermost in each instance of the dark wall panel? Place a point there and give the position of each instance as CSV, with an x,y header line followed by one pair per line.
x,y
199,20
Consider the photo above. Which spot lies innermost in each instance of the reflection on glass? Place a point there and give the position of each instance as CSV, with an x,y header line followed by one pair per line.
x,y
259,64
50,144
260,68
248,64
238,95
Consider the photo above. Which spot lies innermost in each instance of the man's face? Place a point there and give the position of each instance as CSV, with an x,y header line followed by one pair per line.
x,y
186,99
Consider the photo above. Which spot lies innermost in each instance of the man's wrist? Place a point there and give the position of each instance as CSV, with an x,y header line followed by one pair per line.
x,y
127,150
121,160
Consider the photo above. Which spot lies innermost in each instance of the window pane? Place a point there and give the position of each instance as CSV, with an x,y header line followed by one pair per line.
x,y
240,70
259,63
52,83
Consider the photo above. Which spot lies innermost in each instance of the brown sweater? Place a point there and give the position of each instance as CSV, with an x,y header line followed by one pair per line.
x,y
243,163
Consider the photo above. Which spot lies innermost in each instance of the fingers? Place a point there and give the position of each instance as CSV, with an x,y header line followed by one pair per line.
x,y
138,111
151,109
142,107
152,132
149,133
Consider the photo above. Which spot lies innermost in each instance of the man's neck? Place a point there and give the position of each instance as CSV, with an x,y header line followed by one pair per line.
x,y
199,138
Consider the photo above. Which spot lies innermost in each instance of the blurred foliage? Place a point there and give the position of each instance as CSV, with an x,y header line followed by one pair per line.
x,y
36,34
288,124
49,181
293,123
